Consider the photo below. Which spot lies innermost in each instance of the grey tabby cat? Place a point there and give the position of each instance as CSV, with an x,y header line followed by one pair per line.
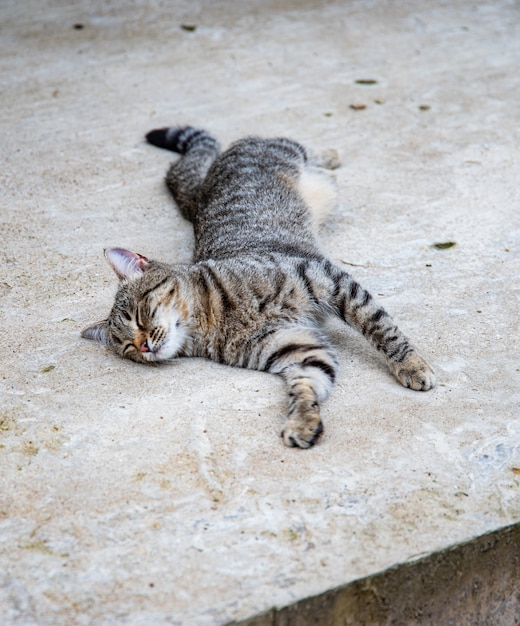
x,y
260,286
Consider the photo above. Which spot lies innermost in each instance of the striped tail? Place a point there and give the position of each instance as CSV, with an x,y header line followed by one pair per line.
x,y
180,139
185,177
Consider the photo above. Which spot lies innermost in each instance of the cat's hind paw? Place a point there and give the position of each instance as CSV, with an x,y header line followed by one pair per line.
x,y
414,372
300,434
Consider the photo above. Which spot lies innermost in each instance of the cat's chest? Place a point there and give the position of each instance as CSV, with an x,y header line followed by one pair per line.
x,y
242,307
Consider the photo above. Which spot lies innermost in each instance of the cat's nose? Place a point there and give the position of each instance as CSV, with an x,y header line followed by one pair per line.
x,y
145,346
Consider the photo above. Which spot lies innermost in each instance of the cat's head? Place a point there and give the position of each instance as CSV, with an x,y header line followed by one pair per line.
x,y
148,320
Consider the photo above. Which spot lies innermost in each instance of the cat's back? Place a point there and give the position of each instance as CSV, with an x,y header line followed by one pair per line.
x,y
251,202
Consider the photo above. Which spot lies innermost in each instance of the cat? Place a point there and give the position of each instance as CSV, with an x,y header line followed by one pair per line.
x,y
259,288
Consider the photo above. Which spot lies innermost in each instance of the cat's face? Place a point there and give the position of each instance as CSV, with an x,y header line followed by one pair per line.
x,y
147,322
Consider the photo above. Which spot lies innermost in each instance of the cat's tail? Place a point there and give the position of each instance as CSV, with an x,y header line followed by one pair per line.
x,y
182,139
184,178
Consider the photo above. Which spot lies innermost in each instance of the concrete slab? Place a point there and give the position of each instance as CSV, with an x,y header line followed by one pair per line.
x,y
134,495
470,584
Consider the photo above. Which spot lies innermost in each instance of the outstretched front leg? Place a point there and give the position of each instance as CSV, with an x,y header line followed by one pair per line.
x,y
307,363
356,306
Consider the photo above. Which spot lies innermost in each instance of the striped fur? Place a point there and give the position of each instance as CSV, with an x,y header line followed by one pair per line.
x,y
260,287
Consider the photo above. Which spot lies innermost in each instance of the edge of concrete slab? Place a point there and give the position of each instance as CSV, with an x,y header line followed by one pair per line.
x,y
469,584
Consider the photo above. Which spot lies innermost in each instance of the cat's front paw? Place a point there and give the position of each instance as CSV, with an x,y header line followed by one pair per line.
x,y
302,433
414,373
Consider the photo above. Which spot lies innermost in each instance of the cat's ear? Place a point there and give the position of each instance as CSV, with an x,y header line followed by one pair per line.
x,y
125,263
97,332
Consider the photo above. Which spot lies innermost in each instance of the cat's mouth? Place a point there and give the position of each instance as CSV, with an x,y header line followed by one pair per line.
x,y
151,344
164,342
161,351
146,347
152,352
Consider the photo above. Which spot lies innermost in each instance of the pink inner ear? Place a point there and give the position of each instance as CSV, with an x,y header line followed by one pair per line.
x,y
125,263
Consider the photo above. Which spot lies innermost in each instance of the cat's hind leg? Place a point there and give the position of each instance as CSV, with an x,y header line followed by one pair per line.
x,y
184,178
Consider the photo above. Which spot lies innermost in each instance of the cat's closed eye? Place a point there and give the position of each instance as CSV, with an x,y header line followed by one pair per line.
x,y
129,347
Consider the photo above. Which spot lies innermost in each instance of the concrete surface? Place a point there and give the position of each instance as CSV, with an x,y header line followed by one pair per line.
x,y
155,496
472,584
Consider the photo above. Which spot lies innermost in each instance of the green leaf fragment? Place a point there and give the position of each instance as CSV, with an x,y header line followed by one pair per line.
x,y
444,245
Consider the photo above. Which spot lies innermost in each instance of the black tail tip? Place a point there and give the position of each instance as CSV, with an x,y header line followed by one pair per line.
x,y
159,138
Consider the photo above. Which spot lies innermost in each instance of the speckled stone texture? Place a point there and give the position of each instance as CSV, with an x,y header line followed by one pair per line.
x,y
155,496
